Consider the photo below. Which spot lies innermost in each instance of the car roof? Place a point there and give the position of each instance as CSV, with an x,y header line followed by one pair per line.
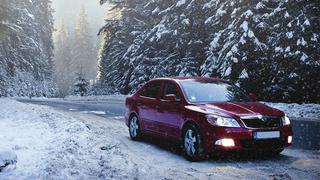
x,y
191,78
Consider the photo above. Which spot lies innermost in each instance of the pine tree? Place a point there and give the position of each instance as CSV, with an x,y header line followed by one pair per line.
x,y
295,52
74,51
4,17
83,46
270,47
257,46
81,85
45,22
171,47
63,60
115,69
26,47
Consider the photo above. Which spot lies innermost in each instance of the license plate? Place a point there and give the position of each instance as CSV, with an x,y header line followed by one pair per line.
x,y
266,135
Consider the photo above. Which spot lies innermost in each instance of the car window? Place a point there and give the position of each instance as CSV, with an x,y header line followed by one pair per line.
x,y
202,91
151,90
170,88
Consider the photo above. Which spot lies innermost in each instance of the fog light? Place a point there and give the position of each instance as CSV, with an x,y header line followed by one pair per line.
x,y
289,139
225,142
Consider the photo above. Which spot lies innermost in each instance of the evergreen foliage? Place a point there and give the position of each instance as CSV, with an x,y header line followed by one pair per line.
x,y
81,85
26,48
74,51
268,47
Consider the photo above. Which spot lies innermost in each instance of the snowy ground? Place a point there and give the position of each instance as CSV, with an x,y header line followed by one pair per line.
x,y
309,111
54,144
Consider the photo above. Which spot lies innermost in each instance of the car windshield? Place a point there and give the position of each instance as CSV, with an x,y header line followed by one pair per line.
x,y
212,91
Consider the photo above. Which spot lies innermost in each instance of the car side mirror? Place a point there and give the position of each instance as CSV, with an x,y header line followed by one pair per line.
x,y
170,97
253,96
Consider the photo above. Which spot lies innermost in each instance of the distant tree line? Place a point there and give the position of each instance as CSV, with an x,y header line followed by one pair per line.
x,y
26,48
268,47
75,55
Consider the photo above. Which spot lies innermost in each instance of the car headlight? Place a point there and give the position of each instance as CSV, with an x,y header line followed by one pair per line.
x,y
285,120
222,121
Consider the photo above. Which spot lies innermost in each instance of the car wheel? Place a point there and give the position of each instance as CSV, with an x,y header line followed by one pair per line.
x,y
192,144
134,128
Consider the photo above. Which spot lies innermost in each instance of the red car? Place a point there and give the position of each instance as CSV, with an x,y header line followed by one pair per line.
x,y
206,115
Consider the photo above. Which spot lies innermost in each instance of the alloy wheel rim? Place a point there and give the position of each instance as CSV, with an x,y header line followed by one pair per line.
x,y
134,127
190,142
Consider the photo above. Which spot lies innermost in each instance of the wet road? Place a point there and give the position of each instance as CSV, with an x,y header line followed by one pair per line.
x,y
101,108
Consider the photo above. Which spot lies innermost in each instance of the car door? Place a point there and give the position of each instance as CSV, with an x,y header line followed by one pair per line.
x,y
169,113
147,105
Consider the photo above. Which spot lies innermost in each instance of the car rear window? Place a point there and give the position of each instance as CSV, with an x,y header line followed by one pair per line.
x,y
151,90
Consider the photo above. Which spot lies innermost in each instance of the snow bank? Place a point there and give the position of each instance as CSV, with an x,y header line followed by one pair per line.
x,y
7,157
309,111
44,141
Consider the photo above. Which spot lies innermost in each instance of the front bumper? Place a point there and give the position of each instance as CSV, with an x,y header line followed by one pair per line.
x,y
243,138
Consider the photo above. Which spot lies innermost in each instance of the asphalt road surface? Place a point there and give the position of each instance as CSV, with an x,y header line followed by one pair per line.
x,y
101,108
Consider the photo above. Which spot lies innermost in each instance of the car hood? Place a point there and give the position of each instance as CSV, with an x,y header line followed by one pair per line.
x,y
239,109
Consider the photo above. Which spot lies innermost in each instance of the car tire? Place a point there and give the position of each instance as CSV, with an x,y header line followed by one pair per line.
x,y
193,144
134,128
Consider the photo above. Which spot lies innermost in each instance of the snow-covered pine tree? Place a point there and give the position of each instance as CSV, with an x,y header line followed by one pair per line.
x,y
109,33
253,43
151,49
74,50
84,55
26,48
63,75
192,35
173,44
269,47
3,85
45,28
294,51
4,28
5,12
80,85
120,37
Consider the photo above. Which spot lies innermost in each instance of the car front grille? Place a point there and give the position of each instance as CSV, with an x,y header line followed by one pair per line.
x,y
262,122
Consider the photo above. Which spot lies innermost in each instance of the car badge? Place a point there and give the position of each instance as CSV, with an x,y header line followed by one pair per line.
x,y
264,119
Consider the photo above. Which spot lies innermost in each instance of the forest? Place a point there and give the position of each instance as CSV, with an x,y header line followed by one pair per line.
x,y
26,48
270,47
267,47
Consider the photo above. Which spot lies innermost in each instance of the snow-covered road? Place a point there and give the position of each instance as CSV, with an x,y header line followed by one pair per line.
x,y
56,144
106,108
